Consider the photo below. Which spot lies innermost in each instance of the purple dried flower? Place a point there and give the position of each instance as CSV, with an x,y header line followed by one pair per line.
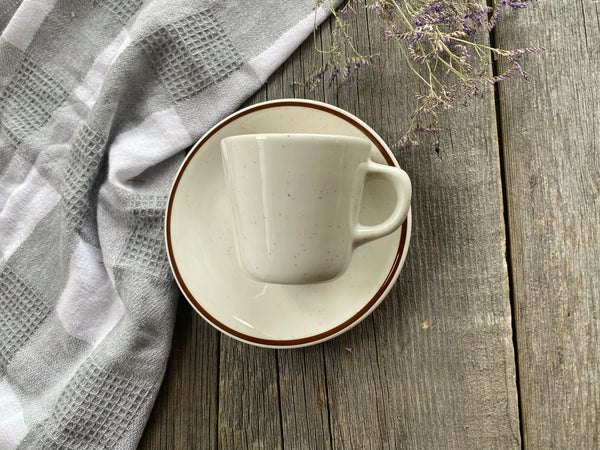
x,y
435,37
500,5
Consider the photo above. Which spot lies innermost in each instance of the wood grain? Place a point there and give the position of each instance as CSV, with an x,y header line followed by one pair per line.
x,y
304,399
185,412
249,412
551,136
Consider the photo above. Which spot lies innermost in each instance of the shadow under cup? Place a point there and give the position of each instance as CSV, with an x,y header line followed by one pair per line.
x,y
295,200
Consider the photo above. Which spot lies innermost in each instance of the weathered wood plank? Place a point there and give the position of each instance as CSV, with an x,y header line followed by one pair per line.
x,y
302,383
249,412
434,366
249,415
185,412
551,136
303,393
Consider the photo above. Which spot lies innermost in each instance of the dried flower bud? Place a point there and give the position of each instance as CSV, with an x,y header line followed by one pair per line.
x,y
436,38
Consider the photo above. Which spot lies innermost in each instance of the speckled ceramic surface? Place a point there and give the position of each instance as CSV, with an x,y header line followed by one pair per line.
x,y
200,240
295,200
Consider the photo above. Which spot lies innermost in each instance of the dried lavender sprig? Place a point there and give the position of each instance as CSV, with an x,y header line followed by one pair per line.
x,y
435,38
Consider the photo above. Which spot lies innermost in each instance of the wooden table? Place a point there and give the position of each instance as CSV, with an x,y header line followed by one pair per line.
x,y
491,336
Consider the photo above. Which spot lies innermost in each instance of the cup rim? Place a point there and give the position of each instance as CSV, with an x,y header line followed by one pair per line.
x,y
298,136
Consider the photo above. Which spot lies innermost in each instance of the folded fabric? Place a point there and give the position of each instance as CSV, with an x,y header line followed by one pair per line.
x,y
98,100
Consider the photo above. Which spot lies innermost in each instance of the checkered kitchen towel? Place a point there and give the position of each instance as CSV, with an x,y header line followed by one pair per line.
x,y
98,100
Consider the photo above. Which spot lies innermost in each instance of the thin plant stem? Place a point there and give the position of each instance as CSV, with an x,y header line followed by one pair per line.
x,y
435,37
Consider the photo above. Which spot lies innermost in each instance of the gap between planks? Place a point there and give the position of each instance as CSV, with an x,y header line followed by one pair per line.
x,y
508,256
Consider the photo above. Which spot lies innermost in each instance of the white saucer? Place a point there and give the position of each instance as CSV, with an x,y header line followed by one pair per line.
x,y
199,240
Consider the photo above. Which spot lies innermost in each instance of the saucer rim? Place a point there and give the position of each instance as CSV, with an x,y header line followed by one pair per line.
x,y
384,287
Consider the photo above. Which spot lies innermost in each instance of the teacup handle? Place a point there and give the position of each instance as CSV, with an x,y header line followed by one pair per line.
x,y
401,183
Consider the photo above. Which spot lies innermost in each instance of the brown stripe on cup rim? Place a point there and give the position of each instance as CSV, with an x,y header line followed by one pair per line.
x,y
279,343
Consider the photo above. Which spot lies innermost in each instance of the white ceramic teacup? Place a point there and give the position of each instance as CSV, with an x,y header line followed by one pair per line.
x,y
295,200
